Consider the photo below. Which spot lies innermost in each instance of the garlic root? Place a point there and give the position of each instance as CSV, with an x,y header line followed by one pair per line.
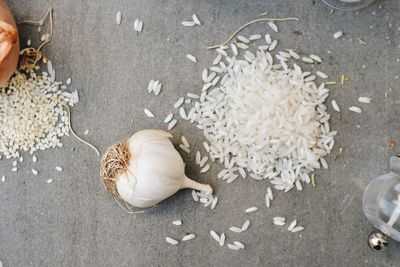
x,y
189,183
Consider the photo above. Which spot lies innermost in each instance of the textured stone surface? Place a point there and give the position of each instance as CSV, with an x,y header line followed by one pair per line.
x,y
74,222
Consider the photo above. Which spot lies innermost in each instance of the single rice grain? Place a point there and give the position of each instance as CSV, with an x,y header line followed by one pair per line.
x,y
191,58
188,23
355,109
273,26
364,99
335,105
177,222
172,124
338,34
148,113
214,235
188,237
235,229
251,209
292,225
297,229
196,19
205,168
222,240
168,118
171,241
246,225
118,17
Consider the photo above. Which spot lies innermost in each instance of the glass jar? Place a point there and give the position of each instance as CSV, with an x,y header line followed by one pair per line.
x,y
381,201
348,5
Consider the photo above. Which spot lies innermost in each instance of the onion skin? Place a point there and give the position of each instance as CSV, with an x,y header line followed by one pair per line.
x,y
9,43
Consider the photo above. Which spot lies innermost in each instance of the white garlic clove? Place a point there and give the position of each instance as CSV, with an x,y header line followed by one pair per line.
x,y
146,169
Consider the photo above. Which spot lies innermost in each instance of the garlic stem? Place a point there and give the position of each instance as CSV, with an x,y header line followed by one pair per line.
x,y
189,183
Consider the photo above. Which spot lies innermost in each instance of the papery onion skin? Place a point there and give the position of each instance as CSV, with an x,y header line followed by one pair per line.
x,y
9,43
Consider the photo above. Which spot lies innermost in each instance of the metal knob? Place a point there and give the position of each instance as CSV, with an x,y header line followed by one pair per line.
x,y
378,241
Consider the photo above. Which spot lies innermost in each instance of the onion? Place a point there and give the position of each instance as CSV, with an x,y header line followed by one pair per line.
x,y
9,43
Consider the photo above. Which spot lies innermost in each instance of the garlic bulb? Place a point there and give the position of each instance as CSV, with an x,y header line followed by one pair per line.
x,y
145,169
9,43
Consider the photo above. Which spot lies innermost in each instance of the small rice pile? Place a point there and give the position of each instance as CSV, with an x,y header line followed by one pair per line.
x,y
265,118
32,112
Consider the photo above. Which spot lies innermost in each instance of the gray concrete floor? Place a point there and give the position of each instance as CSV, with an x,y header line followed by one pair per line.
x,y
74,222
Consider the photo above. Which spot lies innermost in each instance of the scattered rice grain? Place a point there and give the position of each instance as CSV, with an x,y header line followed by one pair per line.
x,y
273,26
255,37
188,23
168,118
251,209
182,112
184,148
355,109
188,237
235,229
233,247
268,39
215,236
238,244
171,241
322,75
191,58
364,99
307,60
35,172
179,102
172,124
214,203
148,113
273,45
245,226
205,168
177,222
242,46
196,19
338,34
222,240
185,141
316,58
297,229
203,161
292,225
243,39
194,195
217,59
118,17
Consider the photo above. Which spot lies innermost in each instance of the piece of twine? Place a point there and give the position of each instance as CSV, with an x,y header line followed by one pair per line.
x,y
75,135
29,52
248,24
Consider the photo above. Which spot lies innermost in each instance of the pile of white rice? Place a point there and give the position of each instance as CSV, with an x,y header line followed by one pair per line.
x,y
32,113
265,118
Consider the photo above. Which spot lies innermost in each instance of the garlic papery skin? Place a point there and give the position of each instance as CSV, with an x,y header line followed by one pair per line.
x,y
149,171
